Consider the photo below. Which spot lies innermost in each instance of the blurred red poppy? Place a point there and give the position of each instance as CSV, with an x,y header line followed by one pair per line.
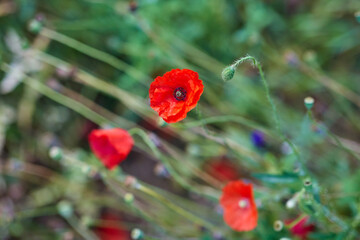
x,y
223,170
111,146
111,228
175,93
240,211
301,228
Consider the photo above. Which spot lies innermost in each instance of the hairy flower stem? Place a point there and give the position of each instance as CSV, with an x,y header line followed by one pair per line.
x,y
266,86
273,106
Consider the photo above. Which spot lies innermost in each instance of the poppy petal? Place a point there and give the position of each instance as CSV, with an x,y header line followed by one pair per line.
x,y
240,211
175,93
111,146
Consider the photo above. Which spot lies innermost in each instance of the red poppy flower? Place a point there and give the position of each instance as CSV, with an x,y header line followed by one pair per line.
x,y
175,94
111,146
301,229
111,228
240,211
223,170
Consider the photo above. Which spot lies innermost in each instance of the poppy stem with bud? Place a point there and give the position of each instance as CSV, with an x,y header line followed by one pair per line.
x,y
269,98
264,82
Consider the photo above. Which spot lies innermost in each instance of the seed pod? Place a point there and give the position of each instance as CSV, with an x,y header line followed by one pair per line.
x,y
278,225
137,234
56,153
129,198
309,102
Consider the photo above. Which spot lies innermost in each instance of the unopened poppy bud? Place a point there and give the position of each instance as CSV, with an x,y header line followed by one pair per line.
x,y
357,16
137,234
65,209
309,102
129,198
35,26
56,153
228,73
278,225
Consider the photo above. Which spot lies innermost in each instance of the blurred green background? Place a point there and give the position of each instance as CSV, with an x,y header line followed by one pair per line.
x,y
68,67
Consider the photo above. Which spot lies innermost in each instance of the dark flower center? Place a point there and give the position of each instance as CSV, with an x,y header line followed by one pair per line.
x,y
180,93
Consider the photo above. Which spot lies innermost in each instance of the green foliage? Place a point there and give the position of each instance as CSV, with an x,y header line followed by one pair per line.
x,y
70,66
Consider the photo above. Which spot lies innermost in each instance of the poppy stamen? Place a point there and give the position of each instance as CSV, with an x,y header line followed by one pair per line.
x,y
180,93
243,203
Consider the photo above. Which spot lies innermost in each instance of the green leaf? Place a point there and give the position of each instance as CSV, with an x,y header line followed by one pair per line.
x,y
277,178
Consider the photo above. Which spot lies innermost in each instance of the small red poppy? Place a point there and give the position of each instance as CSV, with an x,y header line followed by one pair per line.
x,y
301,229
111,229
175,93
223,170
111,146
240,211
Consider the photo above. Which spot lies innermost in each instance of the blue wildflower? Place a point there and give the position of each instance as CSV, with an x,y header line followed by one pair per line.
x,y
258,139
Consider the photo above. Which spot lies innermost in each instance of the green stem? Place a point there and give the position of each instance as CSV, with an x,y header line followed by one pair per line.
x,y
31,213
266,86
66,101
85,233
133,102
296,221
352,230
318,210
153,194
168,166
273,106
221,119
134,208
97,54
177,209
334,137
